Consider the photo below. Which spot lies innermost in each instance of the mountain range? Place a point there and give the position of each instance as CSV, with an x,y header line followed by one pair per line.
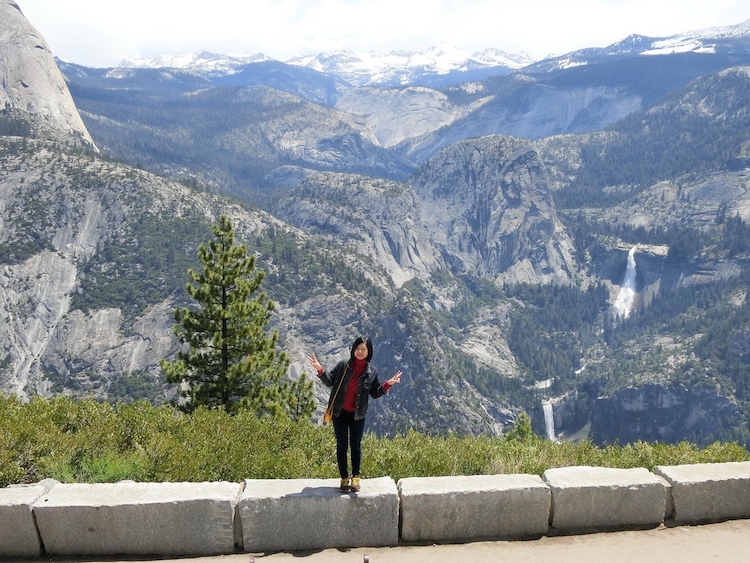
x,y
443,65
440,64
477,227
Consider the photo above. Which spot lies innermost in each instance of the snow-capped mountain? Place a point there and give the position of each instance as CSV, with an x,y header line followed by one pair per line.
x,y
703,40
402,68
200,62
357,68
724,39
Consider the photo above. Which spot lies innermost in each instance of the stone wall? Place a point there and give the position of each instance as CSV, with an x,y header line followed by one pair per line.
x,y
135,519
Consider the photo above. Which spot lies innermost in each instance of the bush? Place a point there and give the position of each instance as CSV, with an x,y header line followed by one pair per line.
x,y
90,442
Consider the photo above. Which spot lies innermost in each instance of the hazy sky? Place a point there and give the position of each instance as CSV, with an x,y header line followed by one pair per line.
x,y
101,33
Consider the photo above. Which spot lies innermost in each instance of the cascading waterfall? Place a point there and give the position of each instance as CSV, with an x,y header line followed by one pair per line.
x,y
549,420
624,302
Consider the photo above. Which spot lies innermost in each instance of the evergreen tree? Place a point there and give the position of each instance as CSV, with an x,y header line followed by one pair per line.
x,y
521,431
228,358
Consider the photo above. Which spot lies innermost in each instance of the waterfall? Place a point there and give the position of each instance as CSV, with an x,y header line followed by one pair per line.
x,y
549,420
624,301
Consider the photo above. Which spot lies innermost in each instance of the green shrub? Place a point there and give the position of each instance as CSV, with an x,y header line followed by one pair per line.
x,y
91,442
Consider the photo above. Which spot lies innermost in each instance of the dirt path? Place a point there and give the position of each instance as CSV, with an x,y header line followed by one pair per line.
x,y
727,542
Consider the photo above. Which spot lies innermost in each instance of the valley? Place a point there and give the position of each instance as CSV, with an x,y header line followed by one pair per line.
x,y
477,231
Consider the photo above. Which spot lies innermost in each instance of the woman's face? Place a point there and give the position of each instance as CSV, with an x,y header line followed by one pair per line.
x,y
360,352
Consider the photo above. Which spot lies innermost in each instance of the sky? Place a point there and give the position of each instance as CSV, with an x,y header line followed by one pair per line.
x,y
102,33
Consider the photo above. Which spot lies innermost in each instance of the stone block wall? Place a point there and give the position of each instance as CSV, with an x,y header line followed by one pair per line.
x,y
136,519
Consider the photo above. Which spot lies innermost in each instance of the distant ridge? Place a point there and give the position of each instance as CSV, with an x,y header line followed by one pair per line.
x,y
724,39
444,64
357,68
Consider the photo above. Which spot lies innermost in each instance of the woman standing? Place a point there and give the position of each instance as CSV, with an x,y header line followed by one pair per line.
x,y
352,382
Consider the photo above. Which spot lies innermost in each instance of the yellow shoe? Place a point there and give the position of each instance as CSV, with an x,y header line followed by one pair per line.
x,y
345,485
355,484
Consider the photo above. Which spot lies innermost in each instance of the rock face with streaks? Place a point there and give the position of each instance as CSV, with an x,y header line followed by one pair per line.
x,y
29,78
481,207
488,207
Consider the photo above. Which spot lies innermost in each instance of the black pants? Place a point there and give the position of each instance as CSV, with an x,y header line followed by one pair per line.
x,y
348,432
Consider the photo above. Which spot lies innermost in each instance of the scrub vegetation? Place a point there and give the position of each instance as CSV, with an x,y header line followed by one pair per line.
x,y
82,440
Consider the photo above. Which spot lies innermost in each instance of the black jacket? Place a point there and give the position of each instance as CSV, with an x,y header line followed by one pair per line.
x,y
367,386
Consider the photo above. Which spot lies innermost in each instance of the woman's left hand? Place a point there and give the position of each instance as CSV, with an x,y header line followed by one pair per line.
x,y
395,379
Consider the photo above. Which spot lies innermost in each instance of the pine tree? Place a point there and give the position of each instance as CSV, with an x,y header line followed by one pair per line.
x,y
228,358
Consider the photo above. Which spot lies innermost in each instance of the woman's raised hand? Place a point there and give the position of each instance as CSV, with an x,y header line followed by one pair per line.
x,y
395,379
314,362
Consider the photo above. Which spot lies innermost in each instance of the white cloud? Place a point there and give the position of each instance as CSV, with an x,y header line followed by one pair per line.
x,y
103,32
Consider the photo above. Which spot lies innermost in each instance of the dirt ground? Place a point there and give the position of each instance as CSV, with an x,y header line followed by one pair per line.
x,y
727,542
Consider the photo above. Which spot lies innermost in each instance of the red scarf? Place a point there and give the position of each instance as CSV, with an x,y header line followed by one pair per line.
x,y
350,399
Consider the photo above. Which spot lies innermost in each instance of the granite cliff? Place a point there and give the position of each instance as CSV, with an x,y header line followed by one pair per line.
x,y
31,81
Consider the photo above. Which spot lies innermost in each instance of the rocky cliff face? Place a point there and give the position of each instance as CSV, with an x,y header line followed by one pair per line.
x,y
488,208
526,110
658,413
396,115
481,207
373,217
30,78
48,201
651,412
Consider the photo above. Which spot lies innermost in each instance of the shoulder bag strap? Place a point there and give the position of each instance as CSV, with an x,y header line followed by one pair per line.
x,y
343,375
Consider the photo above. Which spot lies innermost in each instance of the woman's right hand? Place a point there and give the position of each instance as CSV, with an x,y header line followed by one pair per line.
x,y
315,363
